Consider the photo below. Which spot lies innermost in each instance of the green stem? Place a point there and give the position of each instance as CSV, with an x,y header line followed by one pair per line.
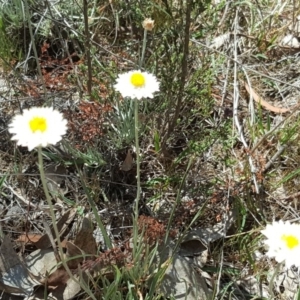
x,y
48,198
136,248
137,149
55,228
143,48
136,131
271,284
33,43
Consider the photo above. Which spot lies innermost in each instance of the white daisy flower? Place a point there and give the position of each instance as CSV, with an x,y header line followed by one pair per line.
x,y
137,84
38,126
283,241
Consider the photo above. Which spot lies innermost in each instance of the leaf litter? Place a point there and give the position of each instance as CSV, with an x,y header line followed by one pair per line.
x,y
198,238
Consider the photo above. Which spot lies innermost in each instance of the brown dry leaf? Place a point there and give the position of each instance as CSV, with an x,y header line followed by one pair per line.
x,y
61,285
72,252
128,162
84,243
28,238
62,225
264,103
66,291
9,289
85,240
58,283
58,278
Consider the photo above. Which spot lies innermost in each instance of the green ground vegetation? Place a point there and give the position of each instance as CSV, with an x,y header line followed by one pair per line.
x,y
211,151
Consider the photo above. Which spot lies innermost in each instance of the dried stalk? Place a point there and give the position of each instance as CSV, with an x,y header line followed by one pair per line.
x,y
87,47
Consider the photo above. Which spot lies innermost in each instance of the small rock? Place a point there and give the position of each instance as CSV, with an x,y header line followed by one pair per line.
x,y
290,41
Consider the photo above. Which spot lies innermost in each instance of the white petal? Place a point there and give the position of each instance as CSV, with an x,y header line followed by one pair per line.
x,y
277,247
56,127
124,86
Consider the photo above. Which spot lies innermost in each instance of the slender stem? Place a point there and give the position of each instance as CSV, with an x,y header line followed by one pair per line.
x,y
271,284
137,149
143,49
56,232
48,198
184,71
32,40
138,180
136,133
87,47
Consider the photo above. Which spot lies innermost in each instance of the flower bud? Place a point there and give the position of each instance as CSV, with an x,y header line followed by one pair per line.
x,y
148,24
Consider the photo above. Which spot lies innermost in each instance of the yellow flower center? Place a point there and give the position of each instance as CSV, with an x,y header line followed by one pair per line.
x,y
137,80
38,123
290,240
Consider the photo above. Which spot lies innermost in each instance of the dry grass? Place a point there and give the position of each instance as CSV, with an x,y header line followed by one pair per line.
x,y
206,143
